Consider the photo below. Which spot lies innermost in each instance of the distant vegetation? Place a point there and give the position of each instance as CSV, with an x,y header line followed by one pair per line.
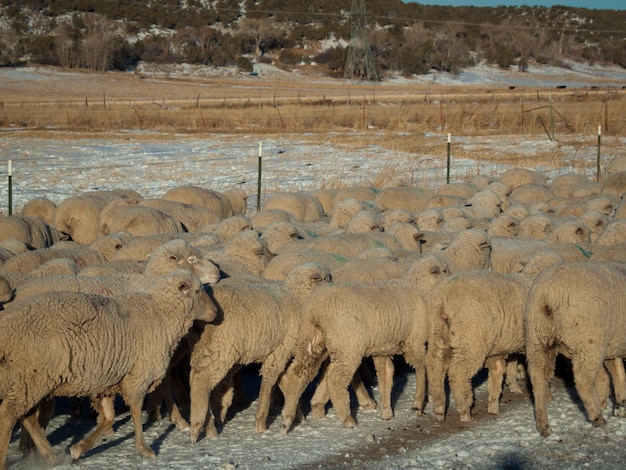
x,y
404,38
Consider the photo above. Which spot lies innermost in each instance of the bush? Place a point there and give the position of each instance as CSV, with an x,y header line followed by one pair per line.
x,y
244,64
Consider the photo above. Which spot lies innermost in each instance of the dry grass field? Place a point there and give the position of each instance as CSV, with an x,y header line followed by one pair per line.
x,y
399,116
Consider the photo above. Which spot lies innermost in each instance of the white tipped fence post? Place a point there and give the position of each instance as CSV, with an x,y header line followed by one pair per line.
x,y
258,191
598,161
10,176
448,162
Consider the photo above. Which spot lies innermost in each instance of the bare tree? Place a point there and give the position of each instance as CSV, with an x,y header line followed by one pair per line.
x,y
261,30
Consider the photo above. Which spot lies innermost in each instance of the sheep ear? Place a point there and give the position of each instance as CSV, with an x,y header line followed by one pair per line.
x,y
192,259
184,287
174,257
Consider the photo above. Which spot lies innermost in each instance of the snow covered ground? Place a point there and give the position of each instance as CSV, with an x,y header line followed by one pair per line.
x,y
506,441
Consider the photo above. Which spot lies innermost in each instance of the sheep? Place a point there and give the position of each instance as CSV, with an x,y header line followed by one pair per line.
x,y
350,321
64,356
596,221
372,269
460,343
470,249
393,216
79,216
259,323
345,210
576,206
191,216
231,202
142,221
41,207
577,309
396,237
615,232
570,231
139,248
32,231
515,177
227,228
279,266
530,193
503,226
172,256
535,226
614,184
462,190
95,253
245,253
429,219
400,197
301,205
485,203
267,217
278,233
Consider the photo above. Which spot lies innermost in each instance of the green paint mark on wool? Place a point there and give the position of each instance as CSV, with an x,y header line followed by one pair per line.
x,y
586,254
338,257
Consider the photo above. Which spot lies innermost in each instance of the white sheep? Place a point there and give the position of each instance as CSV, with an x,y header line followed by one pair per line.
x,y
34,232
231,202
76,351
349,321
469,249
169,257
577,309
279,266
614,233
266,217
302,206
245,253
278,233
41,207
477,320
257,323
191,216
79,216
615,184
402,197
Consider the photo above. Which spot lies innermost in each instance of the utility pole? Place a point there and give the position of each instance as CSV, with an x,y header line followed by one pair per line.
x,y
360,63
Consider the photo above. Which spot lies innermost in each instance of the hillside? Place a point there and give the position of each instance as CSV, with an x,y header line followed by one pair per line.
x,y
314,37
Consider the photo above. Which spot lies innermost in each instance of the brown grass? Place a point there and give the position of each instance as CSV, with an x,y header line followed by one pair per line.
x,y
404,117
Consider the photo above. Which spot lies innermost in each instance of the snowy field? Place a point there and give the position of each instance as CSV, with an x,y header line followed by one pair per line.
x,y
61,168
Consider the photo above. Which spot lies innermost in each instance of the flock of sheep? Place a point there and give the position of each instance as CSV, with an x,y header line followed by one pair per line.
x,y
164,300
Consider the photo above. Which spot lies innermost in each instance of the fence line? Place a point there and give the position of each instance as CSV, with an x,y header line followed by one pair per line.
x,y
60,169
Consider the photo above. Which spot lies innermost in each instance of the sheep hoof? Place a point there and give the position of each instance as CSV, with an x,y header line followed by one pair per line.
x,y
417,410
180,424
515,388
620,410
440,416
545,431
318,411
465,416
194,433
146,452
76,451
260,428
369,406
349,422
155,416
598,422
386,414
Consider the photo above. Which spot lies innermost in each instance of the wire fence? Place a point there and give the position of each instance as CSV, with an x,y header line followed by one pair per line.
x,y
151,164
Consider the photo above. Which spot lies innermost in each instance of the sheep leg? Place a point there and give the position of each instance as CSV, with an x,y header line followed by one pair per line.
x,y
384,371
603,386
293,383
360,390
107,417
272,367
497,368
321,395
586,372
44,412
153,404
176,417
511,374
135,403
541,365
32,427
340,373
437,363
416,358
618,376
464,364
202,383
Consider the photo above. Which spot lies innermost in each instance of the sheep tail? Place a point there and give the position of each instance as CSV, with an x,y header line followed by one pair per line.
x,y
439,322
540,321
316,344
